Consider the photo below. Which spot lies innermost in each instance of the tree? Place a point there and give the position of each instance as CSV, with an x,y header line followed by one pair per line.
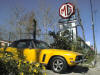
x,y
61,42
47,19
2,33
30,23
15,21
23,23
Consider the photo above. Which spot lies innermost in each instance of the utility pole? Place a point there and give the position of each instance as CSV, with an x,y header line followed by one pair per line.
x,y
9,36
34,29
93,30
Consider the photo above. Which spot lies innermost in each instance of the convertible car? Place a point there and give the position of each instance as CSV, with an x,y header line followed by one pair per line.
x,y
38,51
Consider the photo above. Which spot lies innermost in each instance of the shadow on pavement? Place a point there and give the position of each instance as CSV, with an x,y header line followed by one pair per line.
x,y
78,69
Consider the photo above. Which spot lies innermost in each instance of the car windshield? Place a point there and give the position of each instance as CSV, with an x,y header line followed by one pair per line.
x,y
42,45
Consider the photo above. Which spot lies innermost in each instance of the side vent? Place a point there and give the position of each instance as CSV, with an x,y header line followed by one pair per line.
x,y
43,57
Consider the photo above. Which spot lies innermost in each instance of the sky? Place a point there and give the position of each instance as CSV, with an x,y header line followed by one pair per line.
x,y
7,6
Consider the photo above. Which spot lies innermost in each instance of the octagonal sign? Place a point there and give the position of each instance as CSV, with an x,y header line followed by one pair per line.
x,y
66,10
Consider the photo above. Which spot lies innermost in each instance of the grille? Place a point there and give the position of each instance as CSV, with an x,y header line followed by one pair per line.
x,y
79,57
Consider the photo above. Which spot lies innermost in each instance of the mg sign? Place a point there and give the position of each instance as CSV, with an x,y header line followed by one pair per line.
x,y
66,10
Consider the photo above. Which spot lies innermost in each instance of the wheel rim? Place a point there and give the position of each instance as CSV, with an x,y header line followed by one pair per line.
x,y
57,65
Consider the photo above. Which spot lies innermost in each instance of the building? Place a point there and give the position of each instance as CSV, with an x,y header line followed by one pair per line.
x,y
68,25
4,43
88,43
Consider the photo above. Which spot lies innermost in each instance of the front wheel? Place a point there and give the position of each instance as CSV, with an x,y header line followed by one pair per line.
x,y
58,64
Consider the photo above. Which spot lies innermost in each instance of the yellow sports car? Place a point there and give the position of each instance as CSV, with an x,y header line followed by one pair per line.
x,y
39,51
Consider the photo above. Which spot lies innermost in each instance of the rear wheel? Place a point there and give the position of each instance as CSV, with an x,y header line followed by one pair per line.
x,y
58,64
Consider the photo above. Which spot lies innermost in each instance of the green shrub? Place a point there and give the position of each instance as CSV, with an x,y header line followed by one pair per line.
x,y
65,42
8,65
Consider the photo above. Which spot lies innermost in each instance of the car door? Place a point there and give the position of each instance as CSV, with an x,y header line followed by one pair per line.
x,y
40,50
34,52
30,53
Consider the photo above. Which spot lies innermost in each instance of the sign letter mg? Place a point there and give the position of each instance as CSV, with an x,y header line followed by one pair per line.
x,y
66,10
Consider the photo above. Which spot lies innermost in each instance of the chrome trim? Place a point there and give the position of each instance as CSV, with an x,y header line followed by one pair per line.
x,y
80,61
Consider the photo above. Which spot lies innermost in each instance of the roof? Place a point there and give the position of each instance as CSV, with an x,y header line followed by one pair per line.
x,y
29,40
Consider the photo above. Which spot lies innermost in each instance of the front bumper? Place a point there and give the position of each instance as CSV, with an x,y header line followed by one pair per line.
x,y
79,61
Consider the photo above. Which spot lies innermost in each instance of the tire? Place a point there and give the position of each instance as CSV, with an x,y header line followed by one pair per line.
x,y
58,64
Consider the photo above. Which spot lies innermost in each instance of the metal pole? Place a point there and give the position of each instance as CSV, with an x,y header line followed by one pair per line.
x,y
20,33
79,19
93,30
80,22
34,29
9,36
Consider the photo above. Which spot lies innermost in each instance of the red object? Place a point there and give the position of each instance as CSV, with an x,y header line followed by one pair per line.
x,y
66,10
